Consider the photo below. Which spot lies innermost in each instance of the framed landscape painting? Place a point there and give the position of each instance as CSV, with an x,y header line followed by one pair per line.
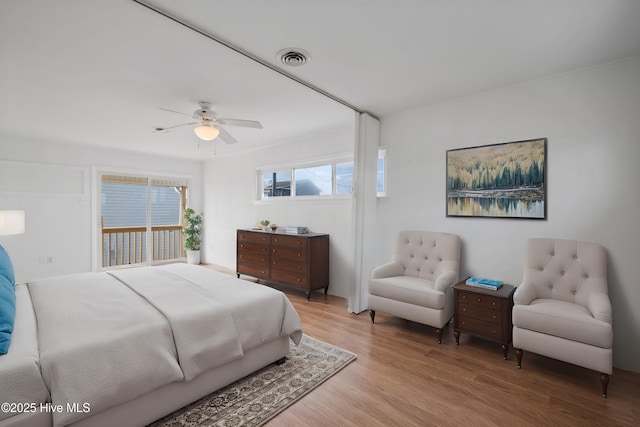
x,y
498,181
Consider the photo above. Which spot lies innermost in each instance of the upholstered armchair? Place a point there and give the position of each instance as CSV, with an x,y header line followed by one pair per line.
x,y
562,308
417,284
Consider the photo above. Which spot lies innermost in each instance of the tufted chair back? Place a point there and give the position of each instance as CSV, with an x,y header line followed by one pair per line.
x,y
426,254
566,270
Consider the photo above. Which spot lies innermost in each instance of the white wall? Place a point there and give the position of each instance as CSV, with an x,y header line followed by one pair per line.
x,y
592,121
58,237
231,189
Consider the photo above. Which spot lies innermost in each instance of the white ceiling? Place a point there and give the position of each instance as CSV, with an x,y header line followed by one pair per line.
x,y
96,71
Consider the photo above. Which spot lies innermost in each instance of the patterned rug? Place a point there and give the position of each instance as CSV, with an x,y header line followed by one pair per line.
x,y
255,399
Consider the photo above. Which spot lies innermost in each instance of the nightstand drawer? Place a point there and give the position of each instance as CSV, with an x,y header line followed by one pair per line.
x,y
480,312
482,328
487,301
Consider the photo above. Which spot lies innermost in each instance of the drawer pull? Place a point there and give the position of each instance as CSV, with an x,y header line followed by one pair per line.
x,y
275,262
299,267
479,300
464,323
494,303
299,279
494,316
299,254
242,245
275,239
495,332
464,309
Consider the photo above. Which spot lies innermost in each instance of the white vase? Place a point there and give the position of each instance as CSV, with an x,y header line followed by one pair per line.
x,y
193,257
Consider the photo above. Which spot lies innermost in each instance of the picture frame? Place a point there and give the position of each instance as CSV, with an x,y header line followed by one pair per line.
x,y
504,180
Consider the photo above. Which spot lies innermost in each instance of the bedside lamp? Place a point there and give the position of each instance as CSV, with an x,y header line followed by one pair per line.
x,y
11,222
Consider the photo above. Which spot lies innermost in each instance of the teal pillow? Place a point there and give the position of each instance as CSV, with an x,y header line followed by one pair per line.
x,y
6,268
7,313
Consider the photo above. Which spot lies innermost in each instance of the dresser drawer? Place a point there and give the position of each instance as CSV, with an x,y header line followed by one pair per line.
x,y
484,329
255,237
289,277
253,247
480,312
261,257
289,241
290,253
261,272
294,265
481,300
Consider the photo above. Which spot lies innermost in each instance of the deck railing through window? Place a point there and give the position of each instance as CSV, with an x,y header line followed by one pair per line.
x,y
128,245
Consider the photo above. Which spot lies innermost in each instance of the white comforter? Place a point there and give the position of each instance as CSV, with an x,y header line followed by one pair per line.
x,y
107,338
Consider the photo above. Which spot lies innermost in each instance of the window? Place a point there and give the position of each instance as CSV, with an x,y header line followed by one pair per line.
x,y
315,181
276,184
344,178
325,179
140,219
381,184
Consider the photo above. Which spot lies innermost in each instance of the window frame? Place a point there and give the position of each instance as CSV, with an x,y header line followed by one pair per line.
x,y
291,167
153,178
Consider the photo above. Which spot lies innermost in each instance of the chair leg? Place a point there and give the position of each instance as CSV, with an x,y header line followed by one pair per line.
x,y
372,314
604,380
519,357
439,334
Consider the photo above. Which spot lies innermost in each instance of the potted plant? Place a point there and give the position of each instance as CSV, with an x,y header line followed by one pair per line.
x,y
191,231
265,224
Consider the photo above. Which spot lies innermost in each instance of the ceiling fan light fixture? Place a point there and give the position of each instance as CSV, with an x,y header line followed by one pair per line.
x,y
207,132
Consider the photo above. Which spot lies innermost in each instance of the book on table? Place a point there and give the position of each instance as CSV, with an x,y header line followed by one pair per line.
x,y
483,283
296,230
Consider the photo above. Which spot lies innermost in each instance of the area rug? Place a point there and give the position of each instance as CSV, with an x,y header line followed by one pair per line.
x,y
257,398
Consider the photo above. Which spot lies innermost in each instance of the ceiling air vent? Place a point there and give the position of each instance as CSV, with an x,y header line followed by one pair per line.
x,y
293,57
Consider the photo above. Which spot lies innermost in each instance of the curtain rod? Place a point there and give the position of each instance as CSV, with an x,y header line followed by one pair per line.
x,y
244,53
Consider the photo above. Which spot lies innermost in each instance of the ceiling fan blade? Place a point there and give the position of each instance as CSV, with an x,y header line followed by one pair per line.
x,y
237,122
226,136
177,112
164,129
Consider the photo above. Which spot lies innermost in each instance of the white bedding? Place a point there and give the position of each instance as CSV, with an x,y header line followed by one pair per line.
x,y
20,379
107,338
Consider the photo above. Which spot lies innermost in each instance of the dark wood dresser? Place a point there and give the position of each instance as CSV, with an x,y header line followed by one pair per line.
x,y
300,261
484,313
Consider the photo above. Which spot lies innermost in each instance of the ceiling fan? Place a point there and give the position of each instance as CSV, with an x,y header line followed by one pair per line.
x,y
209,124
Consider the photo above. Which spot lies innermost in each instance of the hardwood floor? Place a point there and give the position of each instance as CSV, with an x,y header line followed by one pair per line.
x,y
403,377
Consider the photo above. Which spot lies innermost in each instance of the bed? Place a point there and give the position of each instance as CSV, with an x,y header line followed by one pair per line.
x,y
127,347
